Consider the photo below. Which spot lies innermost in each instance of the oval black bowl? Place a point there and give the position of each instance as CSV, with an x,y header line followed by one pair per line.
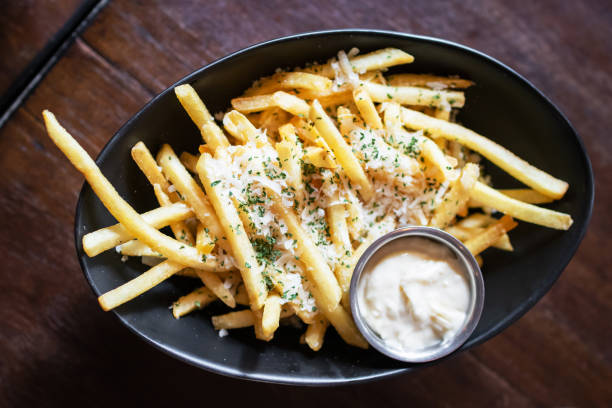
x,y
502,105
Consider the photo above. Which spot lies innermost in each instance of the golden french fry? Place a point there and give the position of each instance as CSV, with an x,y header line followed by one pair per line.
x,y
242,249
490,235
367,109
525,195
348,121
214,136
307,316
241,297
377,60
193,105
401,140
430,81
191,191
198,299
508,161
476,220
443,114
319,157
258,326
240,319
334,98
291,103
463,234
204,242
132,221
181,231
233,320
290,155
344,325
305,130
410,95
355,220
271,119
251,104
195,108
520,210
271,315
326,127
136,248
315,334
145,161
457,196
317,269
239,126
106,238
139,285
212,282
289,80
336,219
189,161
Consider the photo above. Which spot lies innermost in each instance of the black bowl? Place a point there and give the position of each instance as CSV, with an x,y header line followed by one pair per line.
x,y
502,105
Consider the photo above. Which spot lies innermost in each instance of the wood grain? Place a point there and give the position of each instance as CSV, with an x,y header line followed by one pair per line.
x,y
23,35
58,348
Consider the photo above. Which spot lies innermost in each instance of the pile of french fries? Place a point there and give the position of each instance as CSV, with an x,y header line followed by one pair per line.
x,y
307,170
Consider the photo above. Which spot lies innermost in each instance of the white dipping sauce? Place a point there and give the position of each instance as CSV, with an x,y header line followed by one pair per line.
x,y
413,292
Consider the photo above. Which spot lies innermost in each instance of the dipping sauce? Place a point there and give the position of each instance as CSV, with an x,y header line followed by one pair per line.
x,y
414,293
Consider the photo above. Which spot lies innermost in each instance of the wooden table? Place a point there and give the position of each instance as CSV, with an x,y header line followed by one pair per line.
x,y
58,348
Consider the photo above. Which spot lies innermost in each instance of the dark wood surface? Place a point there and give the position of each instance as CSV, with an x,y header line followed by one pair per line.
x,y
58,348
26,27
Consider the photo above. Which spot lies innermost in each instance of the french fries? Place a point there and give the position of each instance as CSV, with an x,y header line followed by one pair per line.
x,y
525,195
315,333
367,109
520,210
198,299
326,127
121,210
290,155
242,249
290,80
271,315
145,161
508,161
237,125
409,95
430,81
319,157
290,103
197,111
96,242
491,235
286,101
138,285
401,140
234,320
191,191
376,60
189,161
308,170
457,197
317,269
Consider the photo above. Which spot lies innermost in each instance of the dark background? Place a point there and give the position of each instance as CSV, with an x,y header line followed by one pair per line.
x,y
58,348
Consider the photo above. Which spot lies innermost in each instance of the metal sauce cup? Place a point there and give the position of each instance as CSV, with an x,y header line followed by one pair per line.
x,y
475,284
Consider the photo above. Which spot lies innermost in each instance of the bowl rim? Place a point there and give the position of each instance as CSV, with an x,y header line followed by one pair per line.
x,y
313,381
